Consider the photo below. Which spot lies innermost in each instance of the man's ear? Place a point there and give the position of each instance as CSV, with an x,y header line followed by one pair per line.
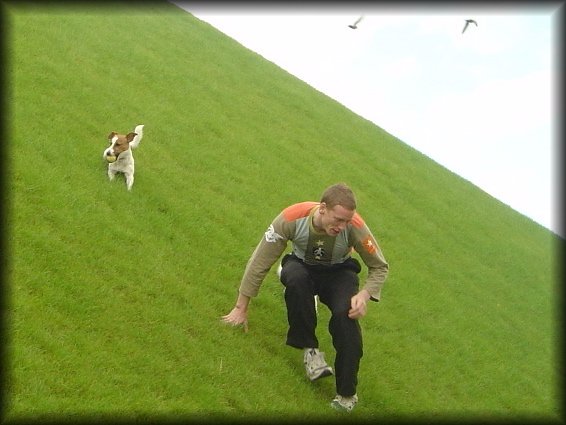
x,y
322,208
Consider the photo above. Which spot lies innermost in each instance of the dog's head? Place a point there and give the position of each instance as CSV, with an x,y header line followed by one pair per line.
x,y
119,143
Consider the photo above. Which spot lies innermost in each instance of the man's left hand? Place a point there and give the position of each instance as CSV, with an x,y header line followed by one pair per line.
x,y
358,305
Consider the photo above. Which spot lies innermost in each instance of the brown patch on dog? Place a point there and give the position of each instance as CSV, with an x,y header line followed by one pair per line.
x,y
122,143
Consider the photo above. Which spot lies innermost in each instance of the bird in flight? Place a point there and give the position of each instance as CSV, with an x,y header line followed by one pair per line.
x,y
355,24
468,22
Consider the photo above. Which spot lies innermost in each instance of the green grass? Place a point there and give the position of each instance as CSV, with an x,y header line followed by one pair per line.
x,y
114,298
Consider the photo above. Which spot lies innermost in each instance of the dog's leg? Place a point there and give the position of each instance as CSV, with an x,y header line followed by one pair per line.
x,y
129,180
111,174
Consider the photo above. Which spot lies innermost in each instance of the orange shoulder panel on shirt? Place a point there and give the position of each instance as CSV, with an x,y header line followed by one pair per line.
x,y
300,210
357,221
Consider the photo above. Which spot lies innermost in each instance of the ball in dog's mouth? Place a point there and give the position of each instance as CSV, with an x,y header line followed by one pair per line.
x,y
111,158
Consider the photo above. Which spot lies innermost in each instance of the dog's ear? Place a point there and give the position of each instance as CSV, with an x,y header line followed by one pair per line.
x,y
131,136
111,135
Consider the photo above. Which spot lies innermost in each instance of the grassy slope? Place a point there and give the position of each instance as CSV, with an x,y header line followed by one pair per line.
x,y
115,296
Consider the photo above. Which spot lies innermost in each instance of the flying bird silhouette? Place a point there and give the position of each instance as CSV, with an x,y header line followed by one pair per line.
x,y
468,22
355,24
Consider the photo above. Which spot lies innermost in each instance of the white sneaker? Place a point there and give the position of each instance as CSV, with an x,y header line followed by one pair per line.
x,y
344,403
315,365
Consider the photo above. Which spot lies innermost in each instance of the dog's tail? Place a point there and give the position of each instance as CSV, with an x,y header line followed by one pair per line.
x,y
137,139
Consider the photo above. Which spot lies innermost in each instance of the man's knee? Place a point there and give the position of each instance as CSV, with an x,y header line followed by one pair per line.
x,y
293,272
346,332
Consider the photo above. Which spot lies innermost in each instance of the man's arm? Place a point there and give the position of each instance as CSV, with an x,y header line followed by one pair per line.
x,y
366,245
266,253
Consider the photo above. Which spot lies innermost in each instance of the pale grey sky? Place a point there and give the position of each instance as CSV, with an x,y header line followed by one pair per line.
x,y
482,103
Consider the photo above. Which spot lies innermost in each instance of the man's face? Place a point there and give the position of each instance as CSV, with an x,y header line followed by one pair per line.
x,y
334,220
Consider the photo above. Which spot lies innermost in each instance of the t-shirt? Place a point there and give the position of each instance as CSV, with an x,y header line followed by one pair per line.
x,y
295,224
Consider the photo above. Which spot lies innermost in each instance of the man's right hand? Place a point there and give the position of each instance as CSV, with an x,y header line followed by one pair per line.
x,y
239,314
237,317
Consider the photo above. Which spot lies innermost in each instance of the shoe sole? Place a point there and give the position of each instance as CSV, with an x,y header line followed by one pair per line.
x,y
340,408
324,373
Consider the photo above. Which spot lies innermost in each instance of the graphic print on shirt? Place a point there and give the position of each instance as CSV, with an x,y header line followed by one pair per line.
x,y
369,244
319,249
271,235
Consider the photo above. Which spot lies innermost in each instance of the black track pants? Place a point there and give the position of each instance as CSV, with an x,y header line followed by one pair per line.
x,y
335,286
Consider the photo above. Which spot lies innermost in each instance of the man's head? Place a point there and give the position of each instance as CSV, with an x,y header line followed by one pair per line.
x,y
339,194
337,208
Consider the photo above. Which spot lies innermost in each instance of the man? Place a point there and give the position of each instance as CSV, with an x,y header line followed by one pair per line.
x,y
323,235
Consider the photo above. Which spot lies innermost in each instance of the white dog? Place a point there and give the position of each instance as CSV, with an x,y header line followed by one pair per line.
x,y
119,154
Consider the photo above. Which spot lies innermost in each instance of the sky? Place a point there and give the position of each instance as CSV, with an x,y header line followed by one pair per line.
x,y
482,103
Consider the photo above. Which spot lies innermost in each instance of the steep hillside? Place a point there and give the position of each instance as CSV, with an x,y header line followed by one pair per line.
x,y
113,297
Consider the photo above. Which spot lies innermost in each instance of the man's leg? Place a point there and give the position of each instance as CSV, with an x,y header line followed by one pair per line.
x,y
299,298
336,291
